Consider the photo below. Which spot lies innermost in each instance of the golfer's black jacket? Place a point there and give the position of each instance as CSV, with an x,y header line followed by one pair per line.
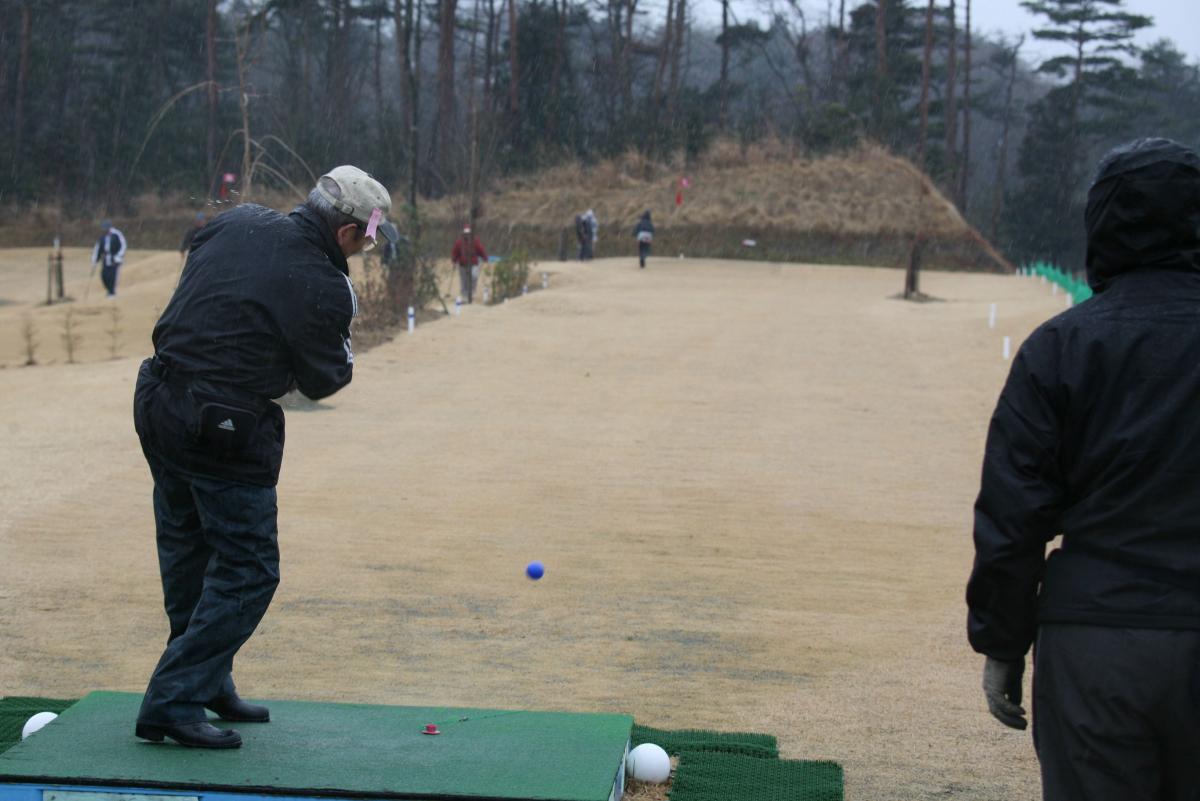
x,y
264,305
1096,435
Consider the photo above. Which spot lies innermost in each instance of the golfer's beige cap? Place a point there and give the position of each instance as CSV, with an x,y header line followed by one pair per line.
x,y
352,191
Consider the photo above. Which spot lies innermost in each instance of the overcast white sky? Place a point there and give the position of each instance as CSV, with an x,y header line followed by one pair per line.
x,y
1177,20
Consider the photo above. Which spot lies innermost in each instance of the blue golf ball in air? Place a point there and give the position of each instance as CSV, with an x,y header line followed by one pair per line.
x,y
535,570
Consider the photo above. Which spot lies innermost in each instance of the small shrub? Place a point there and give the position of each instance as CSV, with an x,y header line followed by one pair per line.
x,y
509,276
114,331
70,336
29,335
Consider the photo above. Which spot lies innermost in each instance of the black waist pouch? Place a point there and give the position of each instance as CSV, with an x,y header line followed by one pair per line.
x,y
223,425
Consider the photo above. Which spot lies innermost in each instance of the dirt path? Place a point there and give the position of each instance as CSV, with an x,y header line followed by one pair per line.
x,y
751,485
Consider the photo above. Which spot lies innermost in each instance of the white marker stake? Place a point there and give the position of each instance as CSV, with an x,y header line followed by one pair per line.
x,y
458,305
1007,347
1070,300
545,280
992,316
525,289
412,320
487,294
1054,289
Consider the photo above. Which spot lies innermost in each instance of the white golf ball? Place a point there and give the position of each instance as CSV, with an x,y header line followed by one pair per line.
x,y
648,763
36,722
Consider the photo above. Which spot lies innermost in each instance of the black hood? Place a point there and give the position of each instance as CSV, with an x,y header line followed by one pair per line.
x,y
1143,211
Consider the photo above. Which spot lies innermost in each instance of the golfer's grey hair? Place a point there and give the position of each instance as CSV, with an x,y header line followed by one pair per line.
x,y
333,218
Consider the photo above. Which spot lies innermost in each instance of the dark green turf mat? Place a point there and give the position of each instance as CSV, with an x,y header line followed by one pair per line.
x,y
709,776
16,709
714,766
339,750
679,740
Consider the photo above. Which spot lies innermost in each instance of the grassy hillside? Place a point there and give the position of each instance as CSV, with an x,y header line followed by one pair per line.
x,y
862,207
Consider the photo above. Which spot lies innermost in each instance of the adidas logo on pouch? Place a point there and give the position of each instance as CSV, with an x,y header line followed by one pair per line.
x,y
226,425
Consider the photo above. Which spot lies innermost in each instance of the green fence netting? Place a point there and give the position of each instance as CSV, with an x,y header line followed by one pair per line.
x,y
1077,288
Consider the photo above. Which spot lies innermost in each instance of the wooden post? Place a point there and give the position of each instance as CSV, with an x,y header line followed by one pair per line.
x,y
912,274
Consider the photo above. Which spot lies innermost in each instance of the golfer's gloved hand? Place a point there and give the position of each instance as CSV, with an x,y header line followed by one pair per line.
x,y
1002,688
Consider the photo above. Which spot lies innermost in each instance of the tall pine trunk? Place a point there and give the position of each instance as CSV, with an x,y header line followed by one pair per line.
x,y
951,108
964,187
26,37
926,69
210,45
442,143
724,110
1002,158
513,62
880,66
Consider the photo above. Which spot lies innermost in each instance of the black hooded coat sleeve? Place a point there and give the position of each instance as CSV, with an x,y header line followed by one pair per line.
x,y
1019,504
1096,435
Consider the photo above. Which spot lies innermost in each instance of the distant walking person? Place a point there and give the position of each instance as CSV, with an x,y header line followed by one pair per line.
x,y
109,253
644,233
466,255
1094,438
583,236
589,234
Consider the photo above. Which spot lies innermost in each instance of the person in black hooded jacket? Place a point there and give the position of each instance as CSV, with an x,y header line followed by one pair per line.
x,y
264,305
1096,437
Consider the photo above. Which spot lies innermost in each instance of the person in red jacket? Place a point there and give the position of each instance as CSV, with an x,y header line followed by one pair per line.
x,y
467,253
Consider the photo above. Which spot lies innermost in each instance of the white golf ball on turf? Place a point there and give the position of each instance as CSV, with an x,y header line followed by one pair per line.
x,y
36,722
648,763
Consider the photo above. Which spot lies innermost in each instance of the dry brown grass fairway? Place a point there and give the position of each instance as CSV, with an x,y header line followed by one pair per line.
x,y
751,485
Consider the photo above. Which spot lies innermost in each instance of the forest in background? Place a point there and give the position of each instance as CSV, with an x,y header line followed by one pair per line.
x,y
110,100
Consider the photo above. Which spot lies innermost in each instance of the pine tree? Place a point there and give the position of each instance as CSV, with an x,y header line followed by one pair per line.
x,y
1044,220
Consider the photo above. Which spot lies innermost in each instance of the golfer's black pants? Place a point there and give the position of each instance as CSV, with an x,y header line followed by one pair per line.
x,y
218,554
643,252
1116,713
108,275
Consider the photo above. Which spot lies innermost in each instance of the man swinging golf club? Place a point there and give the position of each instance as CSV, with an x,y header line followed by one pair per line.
x,y
263,306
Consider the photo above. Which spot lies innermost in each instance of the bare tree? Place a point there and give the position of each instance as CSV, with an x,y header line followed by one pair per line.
x,y
242,51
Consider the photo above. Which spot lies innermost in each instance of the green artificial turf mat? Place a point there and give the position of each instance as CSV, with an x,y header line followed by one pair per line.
x,y
339,750
15,710
708,776
679,740
713,766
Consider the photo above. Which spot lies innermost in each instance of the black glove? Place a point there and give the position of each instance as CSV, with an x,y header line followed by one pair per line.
x,y
1002,688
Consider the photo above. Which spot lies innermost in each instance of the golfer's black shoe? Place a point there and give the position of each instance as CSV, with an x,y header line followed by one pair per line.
x,y
192,735
233,708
